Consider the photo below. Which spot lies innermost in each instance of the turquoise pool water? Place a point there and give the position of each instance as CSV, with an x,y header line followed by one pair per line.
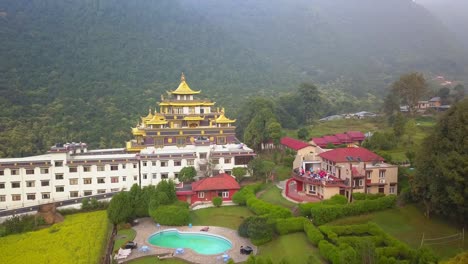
x,y
202,243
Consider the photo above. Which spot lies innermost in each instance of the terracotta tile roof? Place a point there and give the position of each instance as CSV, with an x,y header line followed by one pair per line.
x,y
320,142
332,139
344,138
356,135
342,154
293,143
218,182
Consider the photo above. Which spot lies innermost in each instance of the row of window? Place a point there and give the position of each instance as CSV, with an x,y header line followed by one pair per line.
x,y
381,174
72,194
223,194
75,181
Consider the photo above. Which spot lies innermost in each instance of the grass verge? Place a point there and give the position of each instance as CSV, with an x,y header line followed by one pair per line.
x,y
226,216
408,224
294,248
273,195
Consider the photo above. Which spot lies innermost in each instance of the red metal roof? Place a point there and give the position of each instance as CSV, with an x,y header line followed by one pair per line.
x,y
332,139
218,182
356,135
341,154
344,138
320,142
293,143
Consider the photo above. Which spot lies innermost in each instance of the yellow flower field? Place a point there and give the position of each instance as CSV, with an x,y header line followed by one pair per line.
x,y
81,238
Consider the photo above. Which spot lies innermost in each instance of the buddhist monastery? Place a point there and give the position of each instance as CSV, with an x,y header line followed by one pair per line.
x,y
184,130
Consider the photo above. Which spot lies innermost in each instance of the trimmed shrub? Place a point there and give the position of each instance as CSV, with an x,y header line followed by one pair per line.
x,y
367,196
241,196
313,233
170,215
261,207
217,201
322,213
329,251
258,228
337,199
21,224
290,225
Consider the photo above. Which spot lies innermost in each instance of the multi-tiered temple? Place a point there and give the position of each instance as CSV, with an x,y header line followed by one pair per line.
x,y
184,131
183,119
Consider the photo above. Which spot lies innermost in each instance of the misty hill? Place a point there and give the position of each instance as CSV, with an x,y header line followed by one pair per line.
x,y
453,13
83,70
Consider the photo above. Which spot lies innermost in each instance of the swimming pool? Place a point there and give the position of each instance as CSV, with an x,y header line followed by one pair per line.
x,y
202,243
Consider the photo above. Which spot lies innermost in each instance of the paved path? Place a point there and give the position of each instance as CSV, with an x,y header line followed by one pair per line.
x,y
147,227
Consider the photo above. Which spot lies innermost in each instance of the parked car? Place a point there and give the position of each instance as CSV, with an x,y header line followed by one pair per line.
x,y
130,245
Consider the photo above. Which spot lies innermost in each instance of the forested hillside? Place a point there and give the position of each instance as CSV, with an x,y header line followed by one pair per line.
x,y
453,14
84,70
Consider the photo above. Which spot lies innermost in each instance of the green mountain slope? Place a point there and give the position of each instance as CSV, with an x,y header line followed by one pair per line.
x,y
84,70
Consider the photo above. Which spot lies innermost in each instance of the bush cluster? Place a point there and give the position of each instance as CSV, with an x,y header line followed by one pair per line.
x,y
258,228
241,196
217,201
20,224
246,196
323,213
173,215
290,225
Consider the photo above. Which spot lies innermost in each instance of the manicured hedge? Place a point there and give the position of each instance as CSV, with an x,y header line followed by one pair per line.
x,y
367,196
241,196
313,233
322,213
260,207
174,215
370,238
290,225
304,208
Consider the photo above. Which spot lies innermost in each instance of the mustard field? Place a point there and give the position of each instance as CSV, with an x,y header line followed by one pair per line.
x,y
81,238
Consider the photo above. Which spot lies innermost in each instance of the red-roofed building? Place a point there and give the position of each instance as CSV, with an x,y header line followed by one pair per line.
x,y
222,185
293,143
343,171
356,136
341,155
344,138
304,151
320,142
332,140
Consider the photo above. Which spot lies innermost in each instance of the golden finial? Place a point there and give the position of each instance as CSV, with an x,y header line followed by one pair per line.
x,y
182,77
222,110
149,111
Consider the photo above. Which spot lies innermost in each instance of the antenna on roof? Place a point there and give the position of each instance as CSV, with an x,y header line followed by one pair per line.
x,y
359,159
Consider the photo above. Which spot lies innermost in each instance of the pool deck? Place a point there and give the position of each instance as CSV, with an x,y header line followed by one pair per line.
x,y
147,227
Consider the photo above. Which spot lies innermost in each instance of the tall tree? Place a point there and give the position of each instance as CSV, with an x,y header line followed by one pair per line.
x,y
399,123
310,102
187,174
460,92
442,165
410,88
257,130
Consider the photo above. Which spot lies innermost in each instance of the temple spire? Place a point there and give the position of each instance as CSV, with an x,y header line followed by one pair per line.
x,y
182,77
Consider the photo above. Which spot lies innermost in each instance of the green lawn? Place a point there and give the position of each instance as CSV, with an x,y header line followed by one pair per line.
x,y
226,216
154,260
123,236
408,224
81,238
273,195
293,247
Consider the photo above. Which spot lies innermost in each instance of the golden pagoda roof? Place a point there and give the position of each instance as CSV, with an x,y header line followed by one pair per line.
x,y
194,118
157,120
186,103
184,88
148,117
222,119
138,132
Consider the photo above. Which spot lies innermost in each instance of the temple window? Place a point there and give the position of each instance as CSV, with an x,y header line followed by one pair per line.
x,y
180,141
159,142
164,163
221,140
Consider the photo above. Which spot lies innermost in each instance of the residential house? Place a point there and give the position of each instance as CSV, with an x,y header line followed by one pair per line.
x,y
204,190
